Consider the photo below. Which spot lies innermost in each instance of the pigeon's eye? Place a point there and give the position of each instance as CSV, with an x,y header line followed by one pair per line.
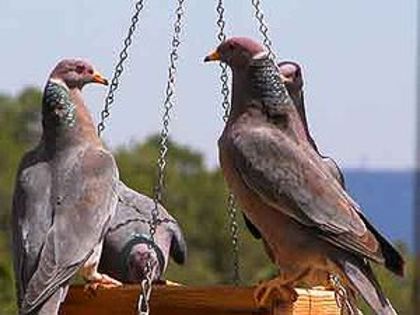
x,y
90,71
80,69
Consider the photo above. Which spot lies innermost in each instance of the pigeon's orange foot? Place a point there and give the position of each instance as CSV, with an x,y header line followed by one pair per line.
x,y
101,281
274,289
172,284
167,283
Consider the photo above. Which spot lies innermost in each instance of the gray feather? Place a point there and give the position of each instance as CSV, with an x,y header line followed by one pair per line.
x,y
31,216
362,278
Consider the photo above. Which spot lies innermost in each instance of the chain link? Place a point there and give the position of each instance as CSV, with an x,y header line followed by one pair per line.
x,y
119,68
234,232
143,306
224,78
168,105
341,297
231,208
263,28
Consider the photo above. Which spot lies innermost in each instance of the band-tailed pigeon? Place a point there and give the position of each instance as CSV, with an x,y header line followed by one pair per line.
x,y
311,226
64,198
128,246
292,77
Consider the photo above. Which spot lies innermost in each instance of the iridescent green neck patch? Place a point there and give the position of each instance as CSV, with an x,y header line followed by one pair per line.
x,y
57,101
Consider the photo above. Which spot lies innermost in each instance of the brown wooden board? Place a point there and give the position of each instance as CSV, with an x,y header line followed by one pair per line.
x,y
184,300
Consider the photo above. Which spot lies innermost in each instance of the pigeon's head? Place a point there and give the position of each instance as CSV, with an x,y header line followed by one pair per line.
x,y
137,261
291,74
237,52
75,73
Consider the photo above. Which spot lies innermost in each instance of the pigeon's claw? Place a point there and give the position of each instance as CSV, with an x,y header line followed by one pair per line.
x,y
275,289
172,283
101,281
167,283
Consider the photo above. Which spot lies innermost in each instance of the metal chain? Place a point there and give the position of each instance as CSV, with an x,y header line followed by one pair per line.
x,y
234,232
263,28
168,105
118,70
231,208
341,297
143,306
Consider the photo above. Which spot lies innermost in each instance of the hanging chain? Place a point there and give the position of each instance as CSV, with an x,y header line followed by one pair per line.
x,y
263,28
231,208
118,70
168,105
143,306
221,36
234,232
341,297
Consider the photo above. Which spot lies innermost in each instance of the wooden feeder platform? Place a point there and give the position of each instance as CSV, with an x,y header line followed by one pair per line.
x,y
186,300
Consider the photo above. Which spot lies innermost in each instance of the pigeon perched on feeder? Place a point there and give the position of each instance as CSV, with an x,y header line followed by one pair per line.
x,y
311,226
291,74
128,246
65,196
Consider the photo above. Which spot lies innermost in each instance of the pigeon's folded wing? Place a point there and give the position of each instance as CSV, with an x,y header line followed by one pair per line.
x,y
83,211
277,169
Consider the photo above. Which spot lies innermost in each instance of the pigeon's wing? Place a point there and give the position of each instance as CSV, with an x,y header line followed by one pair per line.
x,y
18,245
277,169
178,249
85,203
299,101
251,227
138,205
138,210
31,217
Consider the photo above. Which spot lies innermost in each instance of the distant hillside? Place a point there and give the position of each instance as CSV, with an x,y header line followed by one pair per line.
x,y
387,197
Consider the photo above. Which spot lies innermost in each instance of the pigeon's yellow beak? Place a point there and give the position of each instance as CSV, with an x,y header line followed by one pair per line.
x,y
214,56
98,78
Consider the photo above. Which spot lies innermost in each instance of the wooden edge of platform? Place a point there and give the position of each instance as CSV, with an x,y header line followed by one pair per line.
x,y
217,298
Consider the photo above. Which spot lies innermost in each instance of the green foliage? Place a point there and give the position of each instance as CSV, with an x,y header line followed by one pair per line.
x,y
195,195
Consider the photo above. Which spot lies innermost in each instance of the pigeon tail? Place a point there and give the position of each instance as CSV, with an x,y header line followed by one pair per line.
x,y
364,281
393,259
52,305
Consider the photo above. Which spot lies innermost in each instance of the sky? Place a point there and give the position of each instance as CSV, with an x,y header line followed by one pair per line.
x,y
358,57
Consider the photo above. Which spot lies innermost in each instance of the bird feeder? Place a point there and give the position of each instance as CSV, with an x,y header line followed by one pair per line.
x,y
185,300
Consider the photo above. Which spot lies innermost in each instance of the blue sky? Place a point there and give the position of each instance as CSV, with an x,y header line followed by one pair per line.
x,y
358,57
